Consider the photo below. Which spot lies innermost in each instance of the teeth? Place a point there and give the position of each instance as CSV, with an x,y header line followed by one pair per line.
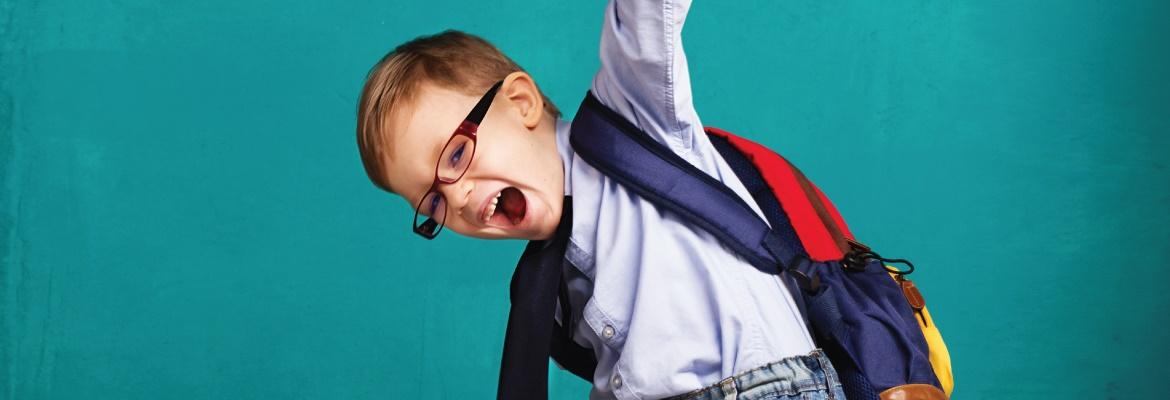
x,y
491,211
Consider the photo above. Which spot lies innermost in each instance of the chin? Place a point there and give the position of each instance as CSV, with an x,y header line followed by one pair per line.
x,y
544,233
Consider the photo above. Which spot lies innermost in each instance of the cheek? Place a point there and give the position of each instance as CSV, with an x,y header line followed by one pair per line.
x,y
502,153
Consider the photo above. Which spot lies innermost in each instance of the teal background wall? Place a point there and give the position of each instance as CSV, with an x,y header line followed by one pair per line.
x,y
184,215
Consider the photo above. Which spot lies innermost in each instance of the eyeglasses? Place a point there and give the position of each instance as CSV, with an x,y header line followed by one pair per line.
x,y
453,163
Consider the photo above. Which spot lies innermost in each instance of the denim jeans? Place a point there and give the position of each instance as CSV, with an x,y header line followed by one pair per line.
x,y
808,377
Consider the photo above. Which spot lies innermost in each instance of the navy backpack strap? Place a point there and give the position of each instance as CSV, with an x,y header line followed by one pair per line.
x,y
621,151
530,339
763,194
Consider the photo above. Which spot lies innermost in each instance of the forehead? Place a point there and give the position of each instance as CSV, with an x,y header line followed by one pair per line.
x,y
416,131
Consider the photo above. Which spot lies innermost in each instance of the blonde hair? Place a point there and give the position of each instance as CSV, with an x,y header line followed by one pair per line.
x,y
449,59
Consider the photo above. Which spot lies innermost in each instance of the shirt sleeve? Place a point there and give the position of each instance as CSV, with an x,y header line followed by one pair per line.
x,y
644,75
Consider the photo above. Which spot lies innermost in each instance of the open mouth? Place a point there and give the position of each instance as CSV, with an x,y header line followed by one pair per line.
x,y
507,209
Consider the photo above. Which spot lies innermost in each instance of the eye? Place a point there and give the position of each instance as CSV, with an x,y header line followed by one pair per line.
x,y
457,154
435,202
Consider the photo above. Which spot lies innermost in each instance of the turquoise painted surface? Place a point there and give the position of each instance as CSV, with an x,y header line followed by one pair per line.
x,y
184,215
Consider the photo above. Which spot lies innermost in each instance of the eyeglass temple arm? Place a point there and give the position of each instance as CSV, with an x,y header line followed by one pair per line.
x,y
477,113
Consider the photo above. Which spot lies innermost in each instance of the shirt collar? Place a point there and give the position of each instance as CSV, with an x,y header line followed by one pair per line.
x,y
565,150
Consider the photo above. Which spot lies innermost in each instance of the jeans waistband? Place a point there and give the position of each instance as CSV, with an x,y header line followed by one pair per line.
x,y
788,376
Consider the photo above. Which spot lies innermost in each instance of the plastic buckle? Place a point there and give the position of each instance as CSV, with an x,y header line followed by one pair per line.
x,y
857,257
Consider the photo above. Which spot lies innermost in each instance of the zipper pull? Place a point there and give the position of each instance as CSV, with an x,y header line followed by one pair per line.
x,y
913,296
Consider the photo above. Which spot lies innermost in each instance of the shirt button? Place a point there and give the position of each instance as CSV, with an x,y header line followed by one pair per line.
x,y
608,334
616,381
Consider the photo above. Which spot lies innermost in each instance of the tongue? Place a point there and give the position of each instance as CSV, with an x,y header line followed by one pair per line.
x,y
513,204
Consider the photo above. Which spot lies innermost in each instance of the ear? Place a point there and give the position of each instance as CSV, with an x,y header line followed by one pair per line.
x,y
521,92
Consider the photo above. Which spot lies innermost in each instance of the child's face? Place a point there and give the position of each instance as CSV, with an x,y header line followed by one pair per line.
x,y
514,185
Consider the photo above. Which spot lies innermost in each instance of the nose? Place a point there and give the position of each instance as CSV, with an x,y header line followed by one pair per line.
x,y
458,194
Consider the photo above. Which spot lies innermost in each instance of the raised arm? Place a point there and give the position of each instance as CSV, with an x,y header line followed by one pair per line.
x,y
644,73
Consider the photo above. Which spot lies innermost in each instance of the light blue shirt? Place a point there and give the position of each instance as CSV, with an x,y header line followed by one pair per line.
x,y
666,307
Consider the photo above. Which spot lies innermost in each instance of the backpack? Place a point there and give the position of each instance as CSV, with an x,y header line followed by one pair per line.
x,y
868,317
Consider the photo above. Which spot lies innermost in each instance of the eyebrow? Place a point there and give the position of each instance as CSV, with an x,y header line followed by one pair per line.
x,y
437,150
403,139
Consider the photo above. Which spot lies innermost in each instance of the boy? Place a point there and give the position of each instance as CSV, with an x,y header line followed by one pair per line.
x,y
663,308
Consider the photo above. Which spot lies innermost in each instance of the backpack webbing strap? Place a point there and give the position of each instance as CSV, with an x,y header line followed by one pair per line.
x,y
747,172
528,340
621,151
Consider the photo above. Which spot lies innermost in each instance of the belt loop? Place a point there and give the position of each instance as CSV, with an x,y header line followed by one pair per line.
x,y
826,370
729,390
